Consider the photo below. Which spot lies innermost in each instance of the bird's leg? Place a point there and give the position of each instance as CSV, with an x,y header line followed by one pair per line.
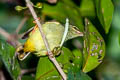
x,y
56,50
23,56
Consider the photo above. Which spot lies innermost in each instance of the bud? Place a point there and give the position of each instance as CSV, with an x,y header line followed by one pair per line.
x,y
19,8
38,5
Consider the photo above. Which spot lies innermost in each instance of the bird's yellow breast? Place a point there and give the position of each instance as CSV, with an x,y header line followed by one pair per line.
x,y
29,46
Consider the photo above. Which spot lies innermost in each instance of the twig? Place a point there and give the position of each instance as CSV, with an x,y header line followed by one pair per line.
x,y
2,76
52,1
50,54
21,24
11,38
4,33
24,71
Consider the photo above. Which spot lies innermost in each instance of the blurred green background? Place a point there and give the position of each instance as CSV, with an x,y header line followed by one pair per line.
x,y
108,70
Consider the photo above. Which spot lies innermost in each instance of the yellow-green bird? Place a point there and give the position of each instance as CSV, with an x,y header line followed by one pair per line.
x,y
53,31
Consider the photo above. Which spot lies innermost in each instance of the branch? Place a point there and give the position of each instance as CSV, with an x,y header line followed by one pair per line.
x,y
11,38
4,33
52,1
21,24
2,76
25,71
50,54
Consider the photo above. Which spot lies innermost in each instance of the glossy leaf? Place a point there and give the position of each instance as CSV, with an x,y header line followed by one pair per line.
x,y
104,10
7,53
77,75
94,47
70,59
46,70
66,59
78,60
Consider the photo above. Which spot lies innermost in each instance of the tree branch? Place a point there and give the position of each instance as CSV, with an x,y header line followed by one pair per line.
x,y
50,54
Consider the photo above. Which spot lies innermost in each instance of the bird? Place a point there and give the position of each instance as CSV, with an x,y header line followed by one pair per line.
x,y
53,31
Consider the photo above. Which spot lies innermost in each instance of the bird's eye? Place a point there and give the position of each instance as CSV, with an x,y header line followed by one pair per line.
x,y
21,51
19,48
75,28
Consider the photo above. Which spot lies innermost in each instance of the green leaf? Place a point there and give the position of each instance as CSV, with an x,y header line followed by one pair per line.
x,y
6,53
46,70
84,76
26,77
77,75
65,59
119,38
78,60
70,59
104,10
87,8
62,10
94,47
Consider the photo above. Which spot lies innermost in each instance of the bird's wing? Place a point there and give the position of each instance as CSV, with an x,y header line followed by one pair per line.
x,y
26,34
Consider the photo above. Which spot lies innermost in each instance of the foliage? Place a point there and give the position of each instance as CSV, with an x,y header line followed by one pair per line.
x,y
94,47
104,13
7,54
92,17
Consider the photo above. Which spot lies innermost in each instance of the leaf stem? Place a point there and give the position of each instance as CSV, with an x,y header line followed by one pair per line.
x,y
50,54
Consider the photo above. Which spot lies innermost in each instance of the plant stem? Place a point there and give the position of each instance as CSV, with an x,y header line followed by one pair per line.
x,y
50,54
